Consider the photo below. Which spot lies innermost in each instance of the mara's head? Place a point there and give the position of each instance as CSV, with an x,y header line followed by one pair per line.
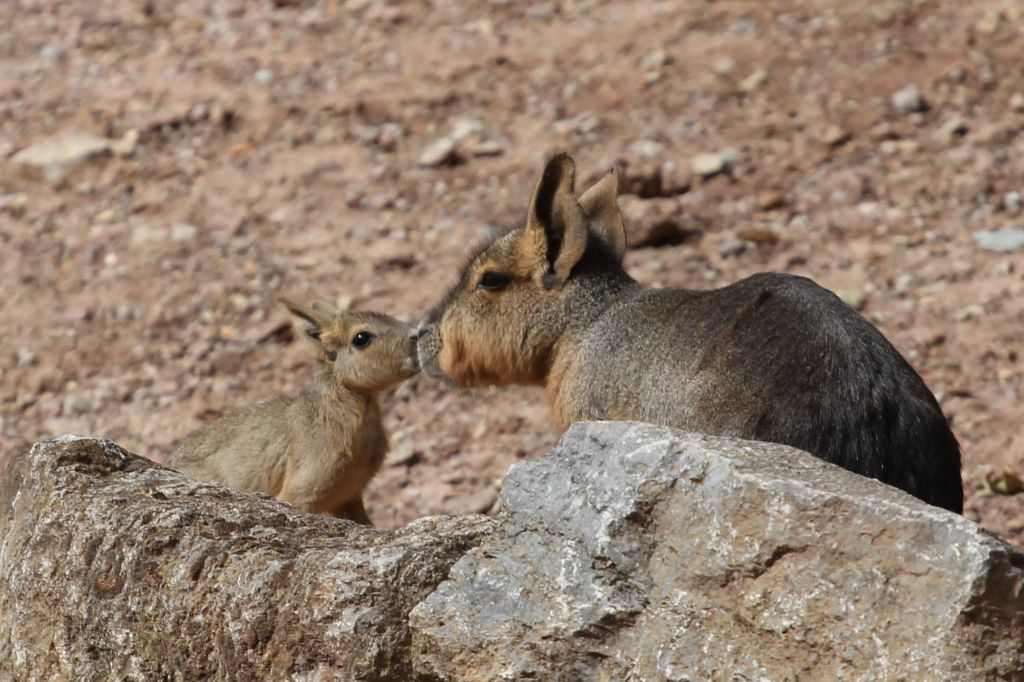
x,y
518,294
363,350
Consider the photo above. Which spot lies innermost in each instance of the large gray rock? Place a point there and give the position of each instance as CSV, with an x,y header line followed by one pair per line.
x,y
635,552
113,568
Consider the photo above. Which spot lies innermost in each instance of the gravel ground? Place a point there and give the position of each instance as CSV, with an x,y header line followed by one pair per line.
x,y
229,153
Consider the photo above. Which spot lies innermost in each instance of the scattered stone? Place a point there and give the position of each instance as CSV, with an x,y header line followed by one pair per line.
x,y
125,146
834,136
1012,202
14,203
969,312
655,60
1017,102
75,404
239,303
723,66
675,178
731,247
263,77
730,156
466,128
488,148
903,283
26,358
404,455
655,222
908,100
52,52
953,127
183,232
899,147
754,81
771,200
759,235
646,149
1006,483
642,179
1003,240
144,233
989,23
1003,269
707,164
64,150
581,123
855,298
443,152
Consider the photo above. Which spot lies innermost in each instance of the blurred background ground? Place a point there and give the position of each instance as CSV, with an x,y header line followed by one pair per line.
x,y
355,150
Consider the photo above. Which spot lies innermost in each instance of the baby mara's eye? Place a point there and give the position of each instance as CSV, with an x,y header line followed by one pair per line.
x,y
493,281
362,339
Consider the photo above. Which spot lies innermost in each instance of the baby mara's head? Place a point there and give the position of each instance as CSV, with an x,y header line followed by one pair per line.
x,y
362,350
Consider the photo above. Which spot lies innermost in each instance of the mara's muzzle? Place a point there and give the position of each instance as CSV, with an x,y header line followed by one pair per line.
x,y
428,346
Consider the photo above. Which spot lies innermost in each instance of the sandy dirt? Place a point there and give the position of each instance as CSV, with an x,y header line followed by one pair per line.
x,y
355,151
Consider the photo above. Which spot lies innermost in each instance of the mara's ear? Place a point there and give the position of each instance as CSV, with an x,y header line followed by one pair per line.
x,y
308,320
600,204
555,223
326,308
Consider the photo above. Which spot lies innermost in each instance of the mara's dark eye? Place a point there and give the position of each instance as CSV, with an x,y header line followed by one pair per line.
x,y
313,334
362,339
493,281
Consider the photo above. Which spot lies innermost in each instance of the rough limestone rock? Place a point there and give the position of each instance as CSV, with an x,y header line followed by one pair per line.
x,y
633,552
114,568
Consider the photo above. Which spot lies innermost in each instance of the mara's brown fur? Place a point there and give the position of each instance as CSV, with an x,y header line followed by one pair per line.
x,y
773,357
319,449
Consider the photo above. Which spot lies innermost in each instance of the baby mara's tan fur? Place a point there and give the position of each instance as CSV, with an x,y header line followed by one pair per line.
x,y
319,449
773,357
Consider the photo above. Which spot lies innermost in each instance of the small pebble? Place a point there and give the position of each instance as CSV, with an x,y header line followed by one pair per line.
x,y
855,298
723,66
731,247
754,80
908,100
1003,240
954,127
655,60
182,232
646,148
75,404
1012,202
443,152
707,165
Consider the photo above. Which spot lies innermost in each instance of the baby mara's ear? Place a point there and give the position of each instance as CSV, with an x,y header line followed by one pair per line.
x,y
310,323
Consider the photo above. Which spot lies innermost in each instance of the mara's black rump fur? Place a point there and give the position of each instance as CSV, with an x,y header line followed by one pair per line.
x,y
832,385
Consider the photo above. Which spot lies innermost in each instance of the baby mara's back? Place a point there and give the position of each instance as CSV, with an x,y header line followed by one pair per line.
x,y
777,358
263,447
